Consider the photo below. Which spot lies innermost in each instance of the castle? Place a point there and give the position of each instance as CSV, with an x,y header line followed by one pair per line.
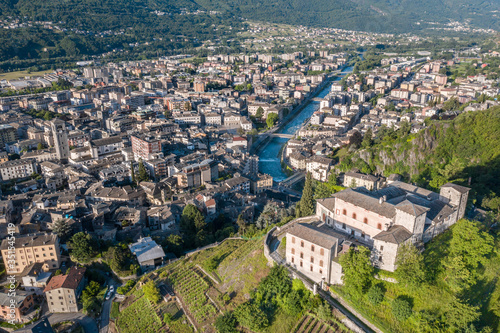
x,y
381,220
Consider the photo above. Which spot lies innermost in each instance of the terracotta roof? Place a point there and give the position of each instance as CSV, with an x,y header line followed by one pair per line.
x,y
70,281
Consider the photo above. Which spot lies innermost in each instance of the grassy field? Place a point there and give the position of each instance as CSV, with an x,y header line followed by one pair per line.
x,y
22,74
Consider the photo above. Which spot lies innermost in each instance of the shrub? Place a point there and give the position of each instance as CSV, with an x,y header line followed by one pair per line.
x,y
375,294
226,323
401,309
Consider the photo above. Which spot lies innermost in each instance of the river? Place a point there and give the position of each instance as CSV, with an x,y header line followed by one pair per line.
x,y
269,160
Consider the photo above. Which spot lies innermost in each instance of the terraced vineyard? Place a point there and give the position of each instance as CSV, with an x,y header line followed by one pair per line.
x,y
230,263
139,317
193,287
310,324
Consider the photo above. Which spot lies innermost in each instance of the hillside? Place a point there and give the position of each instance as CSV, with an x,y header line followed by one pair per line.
x,y
467,148
225,286
160,27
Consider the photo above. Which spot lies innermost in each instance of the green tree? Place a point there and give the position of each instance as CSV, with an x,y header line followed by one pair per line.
x,y
251,316
62,230
410,265
451,104
259,113
143,174
375,294
272,118
83,247
39,146
401,309
322,191
324,311
132,172
355,139
226,323
152,292
468,249
358,270
459,315
306,205
367,139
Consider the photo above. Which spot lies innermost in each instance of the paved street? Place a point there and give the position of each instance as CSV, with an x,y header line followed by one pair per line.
x,y
106,310
88,324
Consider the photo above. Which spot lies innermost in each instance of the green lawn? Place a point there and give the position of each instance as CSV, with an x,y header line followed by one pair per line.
x,y
22,74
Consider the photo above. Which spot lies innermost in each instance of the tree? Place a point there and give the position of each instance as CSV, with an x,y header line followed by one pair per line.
x,y
143,174
260,112
410,265
174,244
468,249
152,292
355,139
324,311
375,294
89,298
39,146
401,308
451,104
322,191
459,315
251,316
240,131
306,205
367,139
292,303
358,270
272,118
62,230
226,323
132,172
82,246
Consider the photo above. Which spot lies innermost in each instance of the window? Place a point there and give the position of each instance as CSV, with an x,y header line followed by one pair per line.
x,y
381,248
380,258
320,271
292,260
301,264
354,215
293,250
344,212
301,255
379,226
343,225
311,268
322,252
365,220
312,260
312,248
302,243
293,240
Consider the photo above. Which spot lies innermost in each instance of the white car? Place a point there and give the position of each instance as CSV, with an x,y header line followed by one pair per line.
x,y
111,289
108,296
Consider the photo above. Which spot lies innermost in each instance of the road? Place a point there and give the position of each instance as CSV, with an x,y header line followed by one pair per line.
x,y
106,310
89,325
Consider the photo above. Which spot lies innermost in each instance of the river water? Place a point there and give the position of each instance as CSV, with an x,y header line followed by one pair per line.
x,y
269,160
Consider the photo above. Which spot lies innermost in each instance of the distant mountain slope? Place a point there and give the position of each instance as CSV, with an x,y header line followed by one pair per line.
x,y
368,15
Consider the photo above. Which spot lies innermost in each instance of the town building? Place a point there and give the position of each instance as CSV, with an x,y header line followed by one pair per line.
x,y
62,291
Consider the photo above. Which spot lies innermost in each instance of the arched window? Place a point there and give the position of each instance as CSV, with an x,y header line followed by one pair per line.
x,y
379,226
354,215
312,248
311,268
302,243
301,255
312,260
301,264
293,250
293,240
292,260
322,252
365,220
344,212
321,263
